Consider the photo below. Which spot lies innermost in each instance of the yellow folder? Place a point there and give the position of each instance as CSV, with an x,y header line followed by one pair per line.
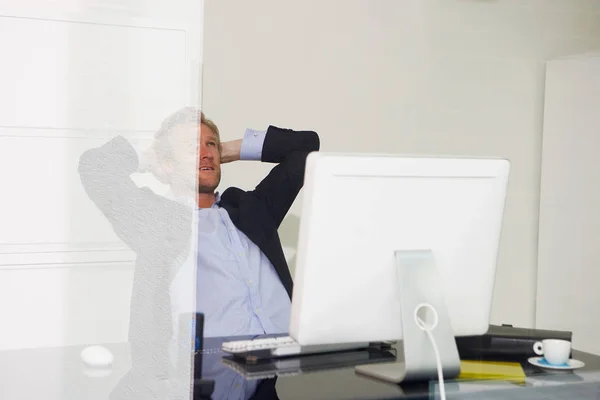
x,y
491,370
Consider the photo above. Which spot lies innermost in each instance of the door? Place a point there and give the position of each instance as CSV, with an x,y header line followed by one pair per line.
x,y
569,222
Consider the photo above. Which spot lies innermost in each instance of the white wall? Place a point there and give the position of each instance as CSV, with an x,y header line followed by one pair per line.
x,y
419,76
567,293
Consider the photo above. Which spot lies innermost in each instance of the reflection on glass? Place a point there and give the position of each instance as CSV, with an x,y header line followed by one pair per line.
x,y
161,233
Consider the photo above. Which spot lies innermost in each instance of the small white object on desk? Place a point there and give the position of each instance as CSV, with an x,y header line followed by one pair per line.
x,y
97,357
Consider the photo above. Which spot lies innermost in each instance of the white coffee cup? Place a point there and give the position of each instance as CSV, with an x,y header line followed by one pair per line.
x,y
555,351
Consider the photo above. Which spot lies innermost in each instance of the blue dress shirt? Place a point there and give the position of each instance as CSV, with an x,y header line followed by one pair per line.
x,y
237,287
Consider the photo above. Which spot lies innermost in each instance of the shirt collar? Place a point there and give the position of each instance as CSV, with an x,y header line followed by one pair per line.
x,y
190,202
217,200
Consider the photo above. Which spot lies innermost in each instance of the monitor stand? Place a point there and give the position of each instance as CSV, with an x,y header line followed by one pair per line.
x,y
421,294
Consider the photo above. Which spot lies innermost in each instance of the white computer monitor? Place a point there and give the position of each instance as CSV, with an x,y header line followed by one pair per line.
x,y
359,209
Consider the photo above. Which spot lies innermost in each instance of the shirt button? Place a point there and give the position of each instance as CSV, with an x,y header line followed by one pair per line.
x,y
250,282
258,310
255,134
241,254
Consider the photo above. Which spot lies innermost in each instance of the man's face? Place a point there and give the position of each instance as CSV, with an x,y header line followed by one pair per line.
x,y
196,156
209,168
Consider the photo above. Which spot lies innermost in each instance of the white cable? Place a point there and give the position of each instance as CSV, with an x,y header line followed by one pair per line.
x,y
428,330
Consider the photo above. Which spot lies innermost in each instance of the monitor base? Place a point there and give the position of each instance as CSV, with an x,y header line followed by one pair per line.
x,y
423,307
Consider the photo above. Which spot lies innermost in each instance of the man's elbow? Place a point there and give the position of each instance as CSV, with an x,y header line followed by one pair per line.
x,y
86,164
312,141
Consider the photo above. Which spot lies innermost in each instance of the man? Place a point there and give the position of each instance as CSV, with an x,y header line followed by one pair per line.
x,y
243,282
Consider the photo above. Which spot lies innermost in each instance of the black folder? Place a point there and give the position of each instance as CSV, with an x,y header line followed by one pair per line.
x,y
505,342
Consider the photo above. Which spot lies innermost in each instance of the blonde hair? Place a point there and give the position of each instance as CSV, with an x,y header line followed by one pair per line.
x,y
211,125
183,116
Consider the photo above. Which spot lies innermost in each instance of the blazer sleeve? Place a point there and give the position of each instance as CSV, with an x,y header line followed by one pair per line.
x,y
133,212
289,150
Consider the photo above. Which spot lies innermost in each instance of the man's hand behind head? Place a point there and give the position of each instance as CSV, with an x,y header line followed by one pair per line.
x,y
230,151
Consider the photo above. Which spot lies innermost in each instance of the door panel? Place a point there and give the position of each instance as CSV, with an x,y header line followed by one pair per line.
x,y
75,74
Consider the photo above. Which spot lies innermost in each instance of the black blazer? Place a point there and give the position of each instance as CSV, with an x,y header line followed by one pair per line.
x,y
258,213
158,229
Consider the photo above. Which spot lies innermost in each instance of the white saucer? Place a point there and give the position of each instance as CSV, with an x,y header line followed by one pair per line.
x,y
570,365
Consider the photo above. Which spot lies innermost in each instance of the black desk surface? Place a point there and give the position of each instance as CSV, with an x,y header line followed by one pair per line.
x,y
57,373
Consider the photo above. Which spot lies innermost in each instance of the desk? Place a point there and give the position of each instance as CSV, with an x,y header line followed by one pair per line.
x,y
57,374
343,383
